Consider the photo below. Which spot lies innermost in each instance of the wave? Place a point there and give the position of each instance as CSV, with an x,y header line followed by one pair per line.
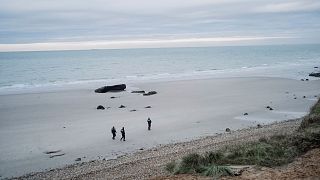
x,y
285,70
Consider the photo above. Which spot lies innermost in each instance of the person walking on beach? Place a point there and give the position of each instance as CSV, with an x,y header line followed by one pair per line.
x,y
123,134
114,132
149,124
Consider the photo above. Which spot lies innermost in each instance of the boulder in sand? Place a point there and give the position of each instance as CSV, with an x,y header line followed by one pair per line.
x,y
122,106
114,88
100,107
315,74
228,130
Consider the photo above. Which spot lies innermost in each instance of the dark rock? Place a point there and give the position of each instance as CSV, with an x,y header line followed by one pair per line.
x,y
78,159
141,149
100,107
114,88
316,67
304,96
315,74
228,130
133,110
122,106
52,152
302,79
295,98
64,127
142,92
148,107
270,109
259,126
245,114
112,97
56,155
150,93
307,79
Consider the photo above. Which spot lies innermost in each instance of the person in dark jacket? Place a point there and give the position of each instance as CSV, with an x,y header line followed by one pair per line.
x,y
149,124
114,132
123,134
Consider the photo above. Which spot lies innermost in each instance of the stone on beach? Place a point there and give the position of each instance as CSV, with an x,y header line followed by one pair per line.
x,y
142,92
317,74
122,106
52,152
228,130
100,107
150,93
114,88
57,155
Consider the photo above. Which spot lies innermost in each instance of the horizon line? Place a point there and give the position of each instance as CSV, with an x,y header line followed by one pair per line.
x,y
139,43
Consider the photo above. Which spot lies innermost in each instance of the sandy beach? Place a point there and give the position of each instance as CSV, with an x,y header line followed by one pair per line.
x,y
68,122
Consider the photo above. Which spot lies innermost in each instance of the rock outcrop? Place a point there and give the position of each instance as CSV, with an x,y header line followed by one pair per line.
x,y
150,93
114,88
317,74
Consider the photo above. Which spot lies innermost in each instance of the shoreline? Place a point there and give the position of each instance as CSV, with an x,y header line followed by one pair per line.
x,y
182,110
162,154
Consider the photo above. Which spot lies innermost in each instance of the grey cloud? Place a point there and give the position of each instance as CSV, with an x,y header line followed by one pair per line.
x,y
48,20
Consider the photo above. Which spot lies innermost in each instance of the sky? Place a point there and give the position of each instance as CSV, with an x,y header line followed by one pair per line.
x,y
97,24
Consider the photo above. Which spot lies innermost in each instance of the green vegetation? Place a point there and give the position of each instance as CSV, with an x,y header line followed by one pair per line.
x,y
273,151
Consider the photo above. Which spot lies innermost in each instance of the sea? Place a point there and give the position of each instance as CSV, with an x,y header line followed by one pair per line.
x,y
22,72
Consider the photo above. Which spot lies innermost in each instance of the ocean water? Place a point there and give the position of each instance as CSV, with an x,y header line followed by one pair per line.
x,y
32,70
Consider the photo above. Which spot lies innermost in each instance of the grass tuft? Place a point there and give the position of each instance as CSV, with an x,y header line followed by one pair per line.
x,y
216,171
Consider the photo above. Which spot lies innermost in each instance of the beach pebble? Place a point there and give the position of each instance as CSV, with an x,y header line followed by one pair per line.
x,y
133,110
228,130
78,159
245,114
147,107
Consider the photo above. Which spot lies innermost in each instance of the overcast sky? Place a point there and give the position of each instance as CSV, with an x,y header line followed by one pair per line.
x,y
85,24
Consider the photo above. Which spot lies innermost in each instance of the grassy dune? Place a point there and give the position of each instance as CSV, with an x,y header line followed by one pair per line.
x,y
276,150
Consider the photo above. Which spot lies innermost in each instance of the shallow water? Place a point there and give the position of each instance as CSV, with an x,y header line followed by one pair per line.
x,y
20,70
